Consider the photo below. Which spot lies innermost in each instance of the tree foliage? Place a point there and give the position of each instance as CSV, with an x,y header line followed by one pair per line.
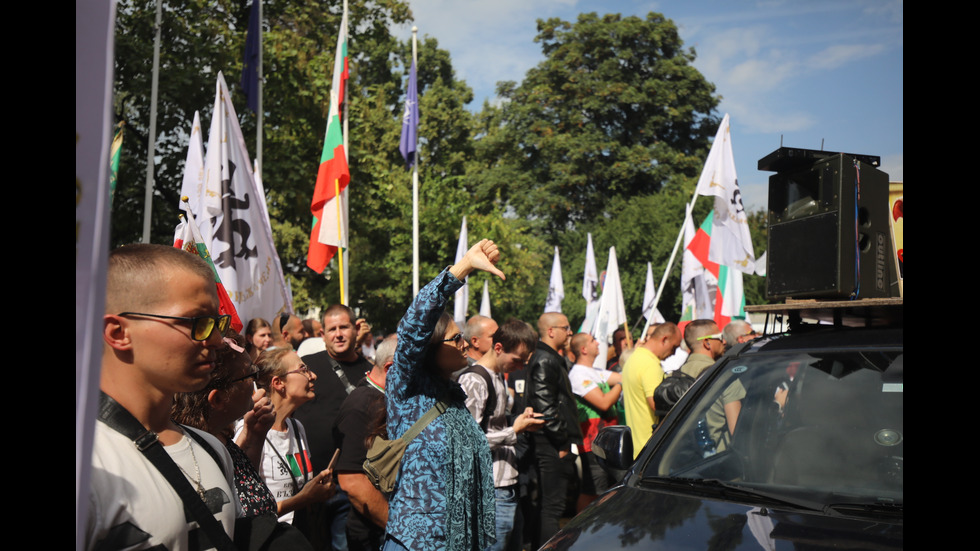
x,y
615,110
198,39
607,135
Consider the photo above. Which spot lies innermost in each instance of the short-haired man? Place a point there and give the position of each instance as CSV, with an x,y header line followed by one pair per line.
x,y
549,393
598,391
337,368
287,331
313,328
486,400
704,342
361,415
160,331
619,343
641,376
738,331
478,333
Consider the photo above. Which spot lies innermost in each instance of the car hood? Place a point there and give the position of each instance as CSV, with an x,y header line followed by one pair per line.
x,y
634,518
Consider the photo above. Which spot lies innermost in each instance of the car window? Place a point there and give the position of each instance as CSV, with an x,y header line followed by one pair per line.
x,y
827,425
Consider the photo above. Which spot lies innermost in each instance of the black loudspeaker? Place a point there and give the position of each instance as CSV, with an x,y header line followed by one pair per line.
x,y
828,225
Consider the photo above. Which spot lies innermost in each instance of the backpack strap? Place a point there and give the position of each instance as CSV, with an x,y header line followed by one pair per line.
x,y
340,374
434,411
491,403
123,422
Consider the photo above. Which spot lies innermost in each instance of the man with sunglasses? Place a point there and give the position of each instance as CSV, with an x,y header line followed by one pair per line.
x,y
160,332
706,346
550,394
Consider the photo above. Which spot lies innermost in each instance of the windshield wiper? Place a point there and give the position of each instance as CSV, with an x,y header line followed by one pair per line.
x,y
880,509
736,491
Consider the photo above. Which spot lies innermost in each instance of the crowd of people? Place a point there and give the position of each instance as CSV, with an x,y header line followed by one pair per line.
x,y
258,440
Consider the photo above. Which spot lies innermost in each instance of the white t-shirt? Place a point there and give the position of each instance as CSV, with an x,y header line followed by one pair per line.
x,y
286,466
132,501
585,377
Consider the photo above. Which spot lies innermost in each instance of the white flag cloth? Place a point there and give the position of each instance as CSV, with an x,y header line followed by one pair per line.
x,y
731,244
192,185
556,287
94,24
590,282
485,304
590,289
241,248
612,309
463,294
733,296
652,314
760,265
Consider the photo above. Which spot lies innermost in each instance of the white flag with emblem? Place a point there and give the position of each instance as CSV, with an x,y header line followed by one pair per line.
x,y
731,244
241,245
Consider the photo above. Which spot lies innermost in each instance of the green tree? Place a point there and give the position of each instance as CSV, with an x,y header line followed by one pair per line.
x,y
615,110
198,39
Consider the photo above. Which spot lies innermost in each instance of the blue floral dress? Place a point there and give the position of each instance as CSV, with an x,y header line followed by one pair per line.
x,y
444,497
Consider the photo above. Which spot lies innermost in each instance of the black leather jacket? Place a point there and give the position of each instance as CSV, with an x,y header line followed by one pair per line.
x,y
550,393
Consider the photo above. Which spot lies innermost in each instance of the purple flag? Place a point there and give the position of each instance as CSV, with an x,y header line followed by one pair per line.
x,y
410,120
250,65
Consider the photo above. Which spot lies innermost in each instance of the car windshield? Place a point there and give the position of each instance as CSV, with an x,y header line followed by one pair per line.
x,y
824,427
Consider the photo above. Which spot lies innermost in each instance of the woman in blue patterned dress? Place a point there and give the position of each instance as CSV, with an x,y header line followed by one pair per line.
x,y
444,497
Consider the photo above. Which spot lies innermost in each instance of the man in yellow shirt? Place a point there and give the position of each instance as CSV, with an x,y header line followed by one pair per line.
x,y
641,376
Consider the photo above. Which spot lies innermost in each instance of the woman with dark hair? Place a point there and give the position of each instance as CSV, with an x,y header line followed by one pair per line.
x,y
444,496
285,460
214,409
258,335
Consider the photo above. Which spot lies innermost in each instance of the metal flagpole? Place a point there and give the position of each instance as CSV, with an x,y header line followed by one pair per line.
x,y
151,142
415,186
261,115
345,251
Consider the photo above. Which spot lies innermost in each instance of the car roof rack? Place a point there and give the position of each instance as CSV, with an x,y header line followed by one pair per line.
x,y
869,312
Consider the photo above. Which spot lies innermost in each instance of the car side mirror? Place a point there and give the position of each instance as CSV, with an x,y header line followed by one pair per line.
x,y
613,448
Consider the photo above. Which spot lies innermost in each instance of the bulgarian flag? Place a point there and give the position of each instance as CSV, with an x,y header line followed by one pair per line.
x,y
188,237
730,296
330,194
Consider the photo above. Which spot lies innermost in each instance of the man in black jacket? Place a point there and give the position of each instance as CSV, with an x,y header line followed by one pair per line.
x,y
550,394
338,369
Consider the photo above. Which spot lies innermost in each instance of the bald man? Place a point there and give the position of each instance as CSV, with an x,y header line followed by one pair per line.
x,y
287,331
641,376
550,394
478,333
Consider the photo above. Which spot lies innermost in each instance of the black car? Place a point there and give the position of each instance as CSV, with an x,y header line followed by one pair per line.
x,y
792,441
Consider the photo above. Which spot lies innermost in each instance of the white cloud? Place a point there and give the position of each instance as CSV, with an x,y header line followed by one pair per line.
x,y
838,55
488,41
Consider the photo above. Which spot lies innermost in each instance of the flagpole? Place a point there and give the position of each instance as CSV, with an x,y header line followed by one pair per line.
x,y
340,249
345,251
152,139
261,115
670,264
415,186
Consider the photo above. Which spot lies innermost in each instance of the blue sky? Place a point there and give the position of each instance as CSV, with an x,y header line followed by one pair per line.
x,y
806,71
